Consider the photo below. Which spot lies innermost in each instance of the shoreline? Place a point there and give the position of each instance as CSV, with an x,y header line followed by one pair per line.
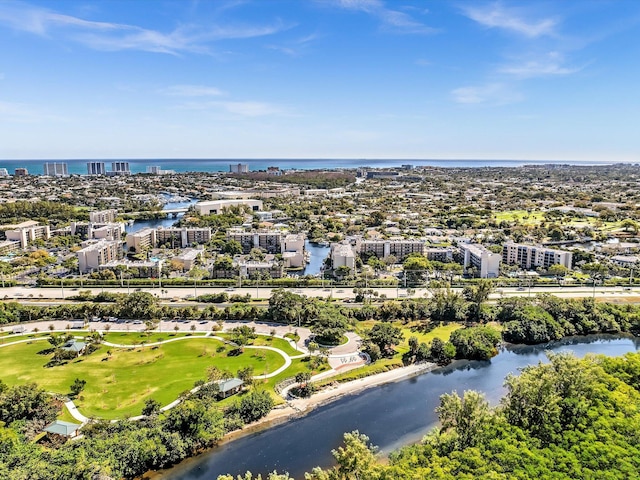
x,y
299,407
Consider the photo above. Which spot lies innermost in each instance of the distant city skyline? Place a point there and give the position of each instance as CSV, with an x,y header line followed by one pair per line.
x,y
292,79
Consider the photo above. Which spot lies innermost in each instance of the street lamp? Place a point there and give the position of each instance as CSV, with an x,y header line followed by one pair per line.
x,y
595,278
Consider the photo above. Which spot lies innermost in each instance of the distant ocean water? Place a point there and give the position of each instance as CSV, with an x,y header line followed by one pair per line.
x,y
35,167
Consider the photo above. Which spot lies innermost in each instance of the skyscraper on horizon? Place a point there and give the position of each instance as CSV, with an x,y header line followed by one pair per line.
x,y
56,169
96,168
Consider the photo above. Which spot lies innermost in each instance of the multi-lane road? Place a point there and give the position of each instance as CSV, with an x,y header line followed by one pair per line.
x,y
186,294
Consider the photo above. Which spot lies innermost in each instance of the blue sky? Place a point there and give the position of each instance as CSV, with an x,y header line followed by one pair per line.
x,y
550,80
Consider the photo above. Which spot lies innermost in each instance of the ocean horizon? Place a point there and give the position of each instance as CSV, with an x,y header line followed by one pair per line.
x,y
183,165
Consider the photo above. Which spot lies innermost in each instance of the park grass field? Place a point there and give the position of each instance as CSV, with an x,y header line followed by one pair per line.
x,y
118,384
266,341
137,338
522,216
443,332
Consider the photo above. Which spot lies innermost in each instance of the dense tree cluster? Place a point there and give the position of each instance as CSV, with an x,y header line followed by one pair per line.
x,y
566,419
115,450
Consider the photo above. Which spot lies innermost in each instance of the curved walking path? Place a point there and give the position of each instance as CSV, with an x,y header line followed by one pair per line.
x,y
341,357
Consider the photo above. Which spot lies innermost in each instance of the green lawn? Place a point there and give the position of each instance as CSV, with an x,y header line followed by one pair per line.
x,y
266,341
442,332
136,338
521,216
118,386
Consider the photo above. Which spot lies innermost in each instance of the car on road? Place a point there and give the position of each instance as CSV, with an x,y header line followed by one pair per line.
x,y
230,290
521,289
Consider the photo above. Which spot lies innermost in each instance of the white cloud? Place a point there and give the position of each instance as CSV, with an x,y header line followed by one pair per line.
x,y
489,94
495,15
550,65
191,91
114,36
393,20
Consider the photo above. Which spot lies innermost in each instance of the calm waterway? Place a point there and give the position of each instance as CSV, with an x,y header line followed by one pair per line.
x,y
391,415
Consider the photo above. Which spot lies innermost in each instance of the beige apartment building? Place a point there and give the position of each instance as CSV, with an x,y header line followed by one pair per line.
x,y
141,240
98,253
183,237
25,232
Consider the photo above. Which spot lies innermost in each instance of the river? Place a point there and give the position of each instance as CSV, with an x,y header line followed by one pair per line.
x,y
391,415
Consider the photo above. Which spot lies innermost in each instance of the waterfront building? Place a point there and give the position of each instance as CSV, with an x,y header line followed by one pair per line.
x,y
239,168
143,239
217,206
343,255
293,250
97,253
21,172
385,248
96,168
529,257
182,237
477,256
4,172
56,169
103,216
158,170
119,168
268,240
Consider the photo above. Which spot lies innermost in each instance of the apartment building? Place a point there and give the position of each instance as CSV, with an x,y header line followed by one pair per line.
x,y
343,255
140,268
293,250
96,168
97,253
55,169
477,256
385,248
25,232
119,168
103,216
141,240
439,254
529,257
239,168
182,237
268,240
252,268
8,246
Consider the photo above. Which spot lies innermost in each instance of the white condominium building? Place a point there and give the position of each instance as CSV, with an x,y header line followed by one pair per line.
x,y
486,262
217,206
343,255
95,254
385,248
268,240
531,256
183,237
55,169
